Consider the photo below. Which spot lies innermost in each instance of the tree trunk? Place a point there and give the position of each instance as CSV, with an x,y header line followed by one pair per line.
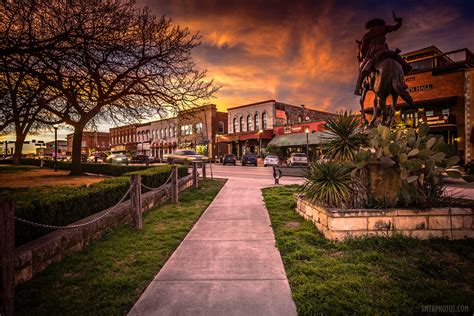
x,y
76,168
18,148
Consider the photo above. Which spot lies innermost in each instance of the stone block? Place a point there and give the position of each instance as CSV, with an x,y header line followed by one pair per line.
x,y
409,223
424,234
468,221
380,223
444,222
347,224
323,219
23,258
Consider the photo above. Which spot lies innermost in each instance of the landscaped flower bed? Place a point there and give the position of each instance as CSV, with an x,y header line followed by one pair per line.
x,y
339,224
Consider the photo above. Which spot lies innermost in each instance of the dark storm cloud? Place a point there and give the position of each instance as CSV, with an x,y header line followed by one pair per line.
x,y
304,51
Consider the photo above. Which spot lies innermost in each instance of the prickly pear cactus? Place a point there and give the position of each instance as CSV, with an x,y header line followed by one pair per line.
x,y
419,158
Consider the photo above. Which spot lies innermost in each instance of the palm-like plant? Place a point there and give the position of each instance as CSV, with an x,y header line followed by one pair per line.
x,y
329,184
346,136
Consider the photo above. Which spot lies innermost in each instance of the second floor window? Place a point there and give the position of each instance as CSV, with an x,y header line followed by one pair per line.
x,y
198,128
186,130
249,123
234,125
264,120
256,122
241,124
221,127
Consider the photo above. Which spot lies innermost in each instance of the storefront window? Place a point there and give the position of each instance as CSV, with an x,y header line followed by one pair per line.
x,y
198,128
264,120
445,111
249,123
429,113
256,123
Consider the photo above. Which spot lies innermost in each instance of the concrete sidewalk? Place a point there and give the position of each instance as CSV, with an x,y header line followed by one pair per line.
x,y
227,265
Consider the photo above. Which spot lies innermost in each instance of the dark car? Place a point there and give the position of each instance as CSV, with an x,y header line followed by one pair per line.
x,y
249,159
140,159
229,159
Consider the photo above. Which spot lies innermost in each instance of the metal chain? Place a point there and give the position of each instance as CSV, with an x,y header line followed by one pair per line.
x,y
161,186
25,221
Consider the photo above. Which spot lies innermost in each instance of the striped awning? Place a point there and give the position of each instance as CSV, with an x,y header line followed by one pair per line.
x,y
300,139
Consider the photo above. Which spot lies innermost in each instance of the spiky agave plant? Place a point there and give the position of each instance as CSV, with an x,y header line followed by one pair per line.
x,y
328,184
346,136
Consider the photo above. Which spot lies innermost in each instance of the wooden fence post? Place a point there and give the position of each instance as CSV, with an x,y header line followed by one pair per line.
x,y
204,170
195,176
136,198
7,258
174,185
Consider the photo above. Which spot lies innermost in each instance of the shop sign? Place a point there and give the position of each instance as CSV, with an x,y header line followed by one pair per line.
x,y
424,87
435,120
280,114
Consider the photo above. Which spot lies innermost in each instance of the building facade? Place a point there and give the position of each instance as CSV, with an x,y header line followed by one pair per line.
x,y
199,129
48,149
251,126
164,137
144,139
124,138
91,142
441,85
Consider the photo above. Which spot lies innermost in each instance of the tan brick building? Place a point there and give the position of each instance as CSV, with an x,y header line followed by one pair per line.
x,y
91,141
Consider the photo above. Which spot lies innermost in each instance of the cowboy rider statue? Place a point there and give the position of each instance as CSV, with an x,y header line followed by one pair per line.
x,y
373,49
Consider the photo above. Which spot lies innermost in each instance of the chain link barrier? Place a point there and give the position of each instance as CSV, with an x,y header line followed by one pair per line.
x,y
108,211
161,187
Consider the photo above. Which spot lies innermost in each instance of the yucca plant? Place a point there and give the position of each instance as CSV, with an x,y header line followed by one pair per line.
x,y
346,136
329,184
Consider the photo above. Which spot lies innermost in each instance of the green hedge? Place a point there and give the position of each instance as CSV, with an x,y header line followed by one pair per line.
x,y
63,205
96,168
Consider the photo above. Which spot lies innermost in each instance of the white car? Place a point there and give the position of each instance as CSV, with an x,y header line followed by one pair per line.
x,y
270,160
298,159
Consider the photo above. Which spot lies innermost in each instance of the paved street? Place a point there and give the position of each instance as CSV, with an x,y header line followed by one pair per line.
x,y
228,264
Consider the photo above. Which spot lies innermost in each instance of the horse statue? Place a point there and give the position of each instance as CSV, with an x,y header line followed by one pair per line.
x,y
382,72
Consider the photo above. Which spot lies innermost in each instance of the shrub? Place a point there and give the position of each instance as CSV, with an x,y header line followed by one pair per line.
x,y
95,168
63,205
328,184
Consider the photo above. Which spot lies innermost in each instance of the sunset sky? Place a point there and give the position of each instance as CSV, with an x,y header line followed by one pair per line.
x,y
303,52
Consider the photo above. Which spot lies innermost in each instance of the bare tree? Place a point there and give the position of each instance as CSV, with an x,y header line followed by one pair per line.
x,y
117,62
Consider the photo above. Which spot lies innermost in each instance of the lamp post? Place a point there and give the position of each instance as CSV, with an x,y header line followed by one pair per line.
x,y
218,149
260,143
55,126
307,141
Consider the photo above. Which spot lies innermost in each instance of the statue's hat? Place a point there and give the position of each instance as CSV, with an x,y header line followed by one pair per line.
x,y
374,22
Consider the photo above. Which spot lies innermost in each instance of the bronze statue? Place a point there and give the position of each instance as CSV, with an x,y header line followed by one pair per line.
x,y
381,70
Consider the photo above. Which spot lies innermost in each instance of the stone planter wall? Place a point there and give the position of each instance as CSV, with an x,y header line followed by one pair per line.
x,y
33,257
337,224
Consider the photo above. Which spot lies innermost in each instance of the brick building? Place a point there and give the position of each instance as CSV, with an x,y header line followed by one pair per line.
x,y
164,137
441,85
91,141
199,129
123,138
251,126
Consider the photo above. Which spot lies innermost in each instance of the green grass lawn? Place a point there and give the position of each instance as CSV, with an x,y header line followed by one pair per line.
x,y
376,275
110,275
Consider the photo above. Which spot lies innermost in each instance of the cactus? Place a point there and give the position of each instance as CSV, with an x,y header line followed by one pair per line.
x,y
420,158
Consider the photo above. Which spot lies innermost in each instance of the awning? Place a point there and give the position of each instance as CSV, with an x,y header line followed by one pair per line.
x,y
300,139
227,138
267,134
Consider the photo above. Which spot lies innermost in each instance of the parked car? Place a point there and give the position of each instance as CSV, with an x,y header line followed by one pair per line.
x,y
140,159
117,158
229,159
271,160
298,159
249,159
184,157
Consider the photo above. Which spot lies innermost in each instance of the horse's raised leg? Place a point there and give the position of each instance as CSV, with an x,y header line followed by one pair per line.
x,y
393,108
401,90
383,108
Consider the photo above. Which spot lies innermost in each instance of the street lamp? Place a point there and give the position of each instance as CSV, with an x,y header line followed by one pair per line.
x,y
218,149
55,126
260,142
307,142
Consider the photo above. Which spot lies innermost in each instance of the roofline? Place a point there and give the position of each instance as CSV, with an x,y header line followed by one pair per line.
x,y
250,104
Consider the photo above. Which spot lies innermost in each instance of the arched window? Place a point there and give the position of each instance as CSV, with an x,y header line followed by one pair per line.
x,y
138,137
170,131
300,119
161,133
147,135
249,123
234,125
241,123
165,133
256,123
264,120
